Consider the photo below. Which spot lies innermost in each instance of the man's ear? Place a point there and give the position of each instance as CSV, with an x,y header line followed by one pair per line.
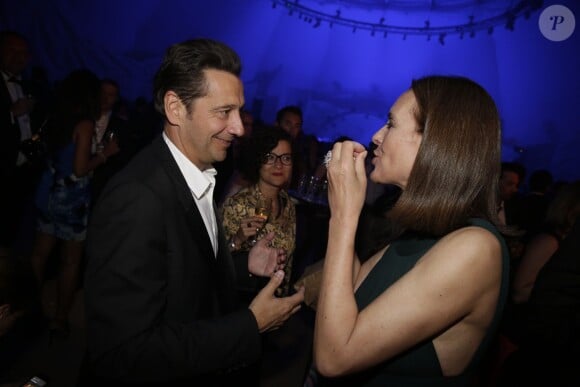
x,y
174,108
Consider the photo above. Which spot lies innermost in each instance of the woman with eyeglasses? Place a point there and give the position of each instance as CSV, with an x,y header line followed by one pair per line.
x,y
266,162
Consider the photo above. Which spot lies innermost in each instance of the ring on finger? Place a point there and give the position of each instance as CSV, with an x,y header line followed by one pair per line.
x,y
327,158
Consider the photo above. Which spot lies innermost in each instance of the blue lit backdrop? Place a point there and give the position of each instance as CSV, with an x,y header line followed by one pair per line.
x,y
344,80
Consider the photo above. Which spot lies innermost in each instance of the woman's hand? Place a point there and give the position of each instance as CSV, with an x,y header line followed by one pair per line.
x,y
263,260
347,180
22,106
111,147
249,227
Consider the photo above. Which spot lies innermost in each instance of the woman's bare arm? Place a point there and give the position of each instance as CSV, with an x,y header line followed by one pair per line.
x,y
444,287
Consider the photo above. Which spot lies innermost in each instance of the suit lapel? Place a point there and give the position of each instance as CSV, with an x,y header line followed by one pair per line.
x,y
222,264
194,220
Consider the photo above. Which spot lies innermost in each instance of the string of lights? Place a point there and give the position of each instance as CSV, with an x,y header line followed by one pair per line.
x,y
318,18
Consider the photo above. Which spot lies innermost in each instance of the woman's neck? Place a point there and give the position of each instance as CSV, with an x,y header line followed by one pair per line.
x,y
268,191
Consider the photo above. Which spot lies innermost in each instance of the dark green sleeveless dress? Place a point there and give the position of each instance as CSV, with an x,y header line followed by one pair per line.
x,y
418,366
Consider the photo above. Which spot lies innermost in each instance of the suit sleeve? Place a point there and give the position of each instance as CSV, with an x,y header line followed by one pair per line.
x,y
128,335
9,134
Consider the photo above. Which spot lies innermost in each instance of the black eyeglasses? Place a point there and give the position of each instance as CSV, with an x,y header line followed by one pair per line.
x,y
271,158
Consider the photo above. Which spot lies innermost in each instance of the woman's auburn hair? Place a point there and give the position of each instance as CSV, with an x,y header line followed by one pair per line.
x,y
456,172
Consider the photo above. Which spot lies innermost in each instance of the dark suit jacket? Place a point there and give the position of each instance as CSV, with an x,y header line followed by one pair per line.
x,y
9,134
18,183
160,307
10,131
127,149
553,310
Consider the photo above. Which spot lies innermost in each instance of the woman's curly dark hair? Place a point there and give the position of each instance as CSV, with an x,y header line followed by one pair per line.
x,y
263,139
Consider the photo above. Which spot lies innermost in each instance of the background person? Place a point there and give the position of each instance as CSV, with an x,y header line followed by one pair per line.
x,y
63,194
20,118
561,215
268,167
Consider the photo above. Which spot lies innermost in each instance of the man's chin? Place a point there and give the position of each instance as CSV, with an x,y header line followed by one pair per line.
x,y
220,156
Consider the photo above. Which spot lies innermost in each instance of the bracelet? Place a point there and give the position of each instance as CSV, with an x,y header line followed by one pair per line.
x,y
233,245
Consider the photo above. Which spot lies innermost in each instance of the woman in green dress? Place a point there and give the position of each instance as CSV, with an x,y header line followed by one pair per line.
x,y
423,309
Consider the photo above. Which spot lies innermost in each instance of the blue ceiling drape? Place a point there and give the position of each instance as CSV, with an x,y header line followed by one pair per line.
x,y
344,81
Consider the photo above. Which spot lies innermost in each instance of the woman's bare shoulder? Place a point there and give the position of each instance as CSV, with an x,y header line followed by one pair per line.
x,y
472,239
470,249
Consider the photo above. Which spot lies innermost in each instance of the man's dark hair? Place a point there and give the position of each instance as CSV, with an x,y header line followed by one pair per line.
x,y
9,34
515,167
541,180
288,109
182,70
112,82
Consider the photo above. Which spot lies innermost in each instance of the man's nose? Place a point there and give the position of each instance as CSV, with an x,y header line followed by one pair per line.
x,y
236,125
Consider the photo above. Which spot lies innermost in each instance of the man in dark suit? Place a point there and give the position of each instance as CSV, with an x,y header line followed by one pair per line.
x,y
17,174
160,287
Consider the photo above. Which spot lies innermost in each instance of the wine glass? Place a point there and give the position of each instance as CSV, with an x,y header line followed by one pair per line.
x,y
108,136
262,210
111,136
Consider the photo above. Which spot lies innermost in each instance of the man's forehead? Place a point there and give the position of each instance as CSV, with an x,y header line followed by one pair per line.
x,y
216,103
218,81
16,44
292,117
510,175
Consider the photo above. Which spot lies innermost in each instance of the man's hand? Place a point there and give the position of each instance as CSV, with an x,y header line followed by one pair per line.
x,y
270,311
8,318
22,106
111,147
264,260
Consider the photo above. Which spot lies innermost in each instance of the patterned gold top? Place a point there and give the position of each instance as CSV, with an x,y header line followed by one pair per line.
x,y
242,204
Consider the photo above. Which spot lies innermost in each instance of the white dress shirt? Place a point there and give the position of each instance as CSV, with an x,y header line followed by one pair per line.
x,y
501,214
201,184
16,93
100,129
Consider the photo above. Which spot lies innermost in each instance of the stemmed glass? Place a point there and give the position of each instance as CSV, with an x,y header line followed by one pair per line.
x,y
262,210
109,136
